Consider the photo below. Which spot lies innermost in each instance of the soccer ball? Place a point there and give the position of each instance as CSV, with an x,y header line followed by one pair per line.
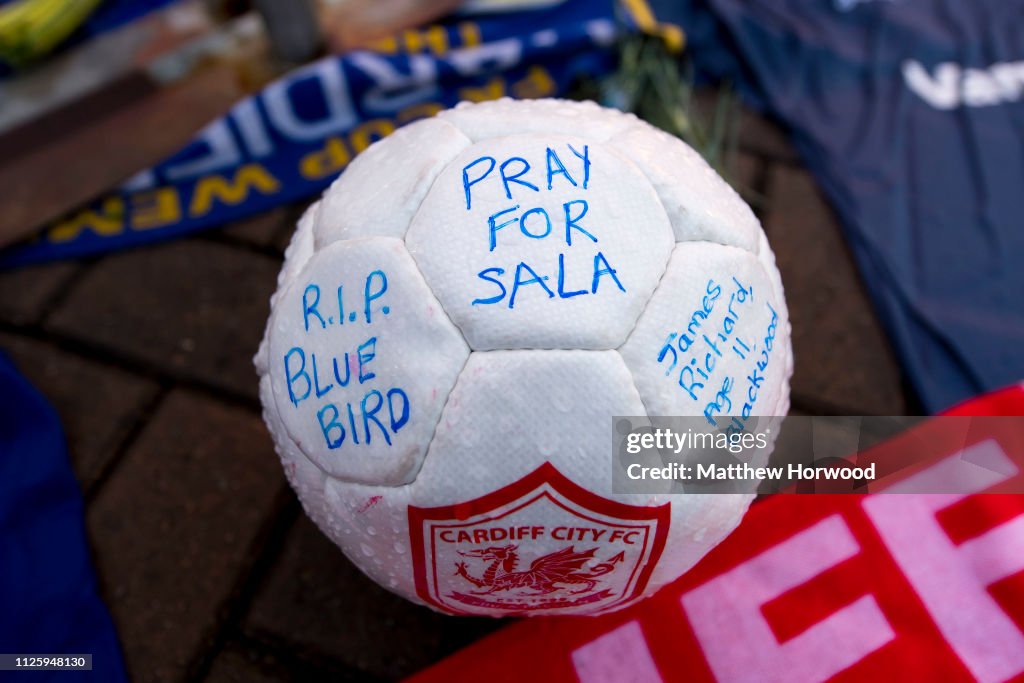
x,y
457,321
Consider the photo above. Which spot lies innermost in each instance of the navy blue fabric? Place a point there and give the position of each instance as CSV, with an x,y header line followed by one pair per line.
x,y
911,116
48,599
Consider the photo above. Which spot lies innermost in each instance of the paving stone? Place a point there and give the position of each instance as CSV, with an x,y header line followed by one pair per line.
x,y
261,229
65,166
25,291
317,600
237,664
745,169
97,404
842,357
744,173
757,134
764,137
175,526
193,308
244,661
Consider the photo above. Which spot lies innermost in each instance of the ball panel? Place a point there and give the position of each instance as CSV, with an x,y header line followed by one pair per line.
x,y
712,339
371,525
511,411
766,257
361,360
700,205
381,189
699,523
541,241
499,118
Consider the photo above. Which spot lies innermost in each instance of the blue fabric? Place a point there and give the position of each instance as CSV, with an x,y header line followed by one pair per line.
x,y
910,114
112,14
48,599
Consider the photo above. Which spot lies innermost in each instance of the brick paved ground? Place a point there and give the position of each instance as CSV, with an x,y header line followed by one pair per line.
x,y
210,569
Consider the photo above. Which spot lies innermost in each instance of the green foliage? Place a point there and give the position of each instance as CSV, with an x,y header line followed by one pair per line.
x,y
658,86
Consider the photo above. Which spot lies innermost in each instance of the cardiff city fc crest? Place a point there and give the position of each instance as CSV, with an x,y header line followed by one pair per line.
x,y
539,545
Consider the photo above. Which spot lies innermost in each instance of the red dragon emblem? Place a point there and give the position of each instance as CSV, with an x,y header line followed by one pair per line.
x,y
586,554
560,567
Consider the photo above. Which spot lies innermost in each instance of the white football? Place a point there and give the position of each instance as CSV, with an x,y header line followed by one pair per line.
x,y
457,321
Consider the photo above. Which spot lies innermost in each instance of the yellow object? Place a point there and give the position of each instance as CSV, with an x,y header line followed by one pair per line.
x,y
645,20
30,29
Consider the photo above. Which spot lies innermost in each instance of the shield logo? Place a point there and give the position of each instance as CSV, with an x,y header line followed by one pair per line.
x,y
541,545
